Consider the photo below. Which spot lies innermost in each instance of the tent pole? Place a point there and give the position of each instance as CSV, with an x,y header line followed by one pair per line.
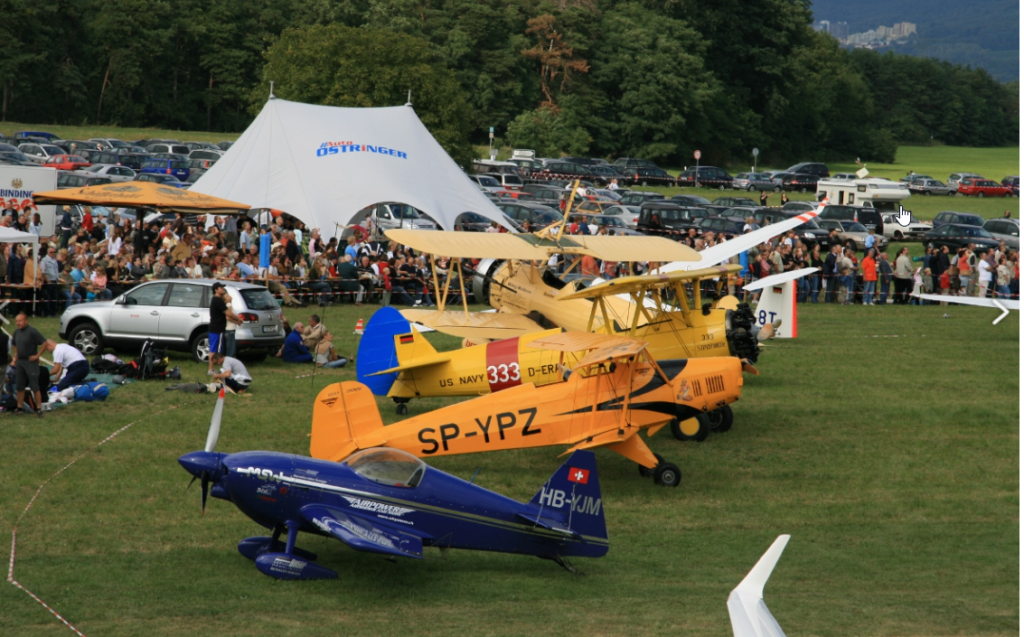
x,y
437,288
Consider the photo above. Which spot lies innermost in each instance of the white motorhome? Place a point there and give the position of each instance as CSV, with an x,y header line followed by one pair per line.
x,y
18,183
880,194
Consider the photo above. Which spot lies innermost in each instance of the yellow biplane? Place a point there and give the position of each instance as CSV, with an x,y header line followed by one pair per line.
x,y
609,394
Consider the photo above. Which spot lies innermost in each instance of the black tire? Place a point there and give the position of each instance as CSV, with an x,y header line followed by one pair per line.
x,y
721,419
647,473
200,348
851,245
256,357
927,193
87,338
703,429
643,183
952,193
803,189
667,475
897,236
401,409
750,189
777,189
721,187
980,195
1009,194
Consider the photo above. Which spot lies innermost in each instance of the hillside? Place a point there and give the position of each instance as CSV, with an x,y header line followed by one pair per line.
x,y
985,33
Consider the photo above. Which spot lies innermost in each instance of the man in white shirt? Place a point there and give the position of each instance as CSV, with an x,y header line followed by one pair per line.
x,y
67,359
614,185
984,276
232,373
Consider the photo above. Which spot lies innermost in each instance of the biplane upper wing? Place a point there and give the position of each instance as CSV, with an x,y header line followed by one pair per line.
x,y
530,247
475,325
642,283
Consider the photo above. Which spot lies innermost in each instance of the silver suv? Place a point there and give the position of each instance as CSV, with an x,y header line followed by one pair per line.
x,y
176,314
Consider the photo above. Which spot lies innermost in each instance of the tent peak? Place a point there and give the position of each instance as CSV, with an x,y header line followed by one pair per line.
x,y
272,96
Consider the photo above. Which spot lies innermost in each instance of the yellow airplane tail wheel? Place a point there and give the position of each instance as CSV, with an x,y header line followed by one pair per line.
x,y
667,475
721,419
696,429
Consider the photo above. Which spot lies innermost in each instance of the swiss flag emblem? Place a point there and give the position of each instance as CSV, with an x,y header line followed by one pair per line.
x,y
579,475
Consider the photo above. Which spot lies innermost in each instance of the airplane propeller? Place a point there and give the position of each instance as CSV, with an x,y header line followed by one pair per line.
x,y
211,443
768,331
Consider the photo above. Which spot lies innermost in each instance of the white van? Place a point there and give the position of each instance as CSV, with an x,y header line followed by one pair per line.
x,y
880,194
481,166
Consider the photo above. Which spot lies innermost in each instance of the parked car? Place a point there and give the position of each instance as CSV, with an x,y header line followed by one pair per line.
x,y
200,164
551,197
613,195
571,171
895,232
658,216
752,182
1007,230
101,157
729,226
975,187
956,236
928,186
16,158
487,182
205,153
534,214
695,200
615,225
472,222
705,177
392,215
624,164
73,146
114,173
636,198
175,167
175,314
964,218
168,147
853,234
793,182
1013,183
132,160
74,180
594,206
508,181
158,178
40,152
109,142
955,178
25,134
605,174
630,215
225,145
866,215
809,168
800,206
203,146
734,201
646,176
66,162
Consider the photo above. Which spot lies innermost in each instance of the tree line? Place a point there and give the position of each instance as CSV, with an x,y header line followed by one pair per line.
x,y
656,79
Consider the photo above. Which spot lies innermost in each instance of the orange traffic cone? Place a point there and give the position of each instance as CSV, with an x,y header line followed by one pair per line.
x,y
359,327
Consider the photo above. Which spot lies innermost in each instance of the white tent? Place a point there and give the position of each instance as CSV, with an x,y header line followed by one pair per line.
x,y
323,164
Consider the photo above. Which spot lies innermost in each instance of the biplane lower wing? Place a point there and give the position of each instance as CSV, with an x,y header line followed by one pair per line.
x,y
478,326
361,533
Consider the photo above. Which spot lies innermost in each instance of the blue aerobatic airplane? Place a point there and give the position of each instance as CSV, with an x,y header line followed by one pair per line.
x,y
390,502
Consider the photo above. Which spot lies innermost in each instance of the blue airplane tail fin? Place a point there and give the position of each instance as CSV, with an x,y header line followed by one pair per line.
x,y
573,495
377,350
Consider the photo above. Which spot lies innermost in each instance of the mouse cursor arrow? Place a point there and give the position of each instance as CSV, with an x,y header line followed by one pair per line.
x,y
996,303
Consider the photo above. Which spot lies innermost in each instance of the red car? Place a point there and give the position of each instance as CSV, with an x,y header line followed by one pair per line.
x,y
971,186
66,162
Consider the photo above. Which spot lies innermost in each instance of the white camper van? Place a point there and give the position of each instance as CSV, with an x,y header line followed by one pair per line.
x,y
880,194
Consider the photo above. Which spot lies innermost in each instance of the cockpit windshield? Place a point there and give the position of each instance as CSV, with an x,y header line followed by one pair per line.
x,y
392,467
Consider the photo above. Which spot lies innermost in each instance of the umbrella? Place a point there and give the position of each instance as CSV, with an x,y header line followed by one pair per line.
x,y
141,194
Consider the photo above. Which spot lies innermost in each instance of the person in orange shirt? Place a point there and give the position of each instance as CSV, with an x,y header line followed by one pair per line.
x,y
589,267
870,276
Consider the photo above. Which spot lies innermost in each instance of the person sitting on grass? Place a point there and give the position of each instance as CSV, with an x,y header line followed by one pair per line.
x,y
232,373
325,354
294,350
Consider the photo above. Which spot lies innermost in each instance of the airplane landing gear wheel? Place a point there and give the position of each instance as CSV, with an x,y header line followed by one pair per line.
x,y
688,430
647,473
401,409
667,475
721,419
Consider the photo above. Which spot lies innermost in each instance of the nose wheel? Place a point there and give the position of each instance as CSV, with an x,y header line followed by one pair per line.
x,y
401,408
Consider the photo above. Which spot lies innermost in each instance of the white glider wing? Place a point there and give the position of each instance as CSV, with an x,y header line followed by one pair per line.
x,y
749,614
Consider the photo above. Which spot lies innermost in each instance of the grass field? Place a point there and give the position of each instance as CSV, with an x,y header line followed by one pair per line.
x,y
893,462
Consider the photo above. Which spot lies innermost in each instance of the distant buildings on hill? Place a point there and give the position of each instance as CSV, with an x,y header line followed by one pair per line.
x,y
882,36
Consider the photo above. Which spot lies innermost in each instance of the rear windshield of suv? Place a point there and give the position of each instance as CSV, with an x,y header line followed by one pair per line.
x,y
258,299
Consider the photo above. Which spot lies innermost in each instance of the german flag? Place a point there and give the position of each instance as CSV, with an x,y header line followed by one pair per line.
x,y
405,339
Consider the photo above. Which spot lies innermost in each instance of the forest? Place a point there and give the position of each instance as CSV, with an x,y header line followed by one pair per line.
x,y
656,79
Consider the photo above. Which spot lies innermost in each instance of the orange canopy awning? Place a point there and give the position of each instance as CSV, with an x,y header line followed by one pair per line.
x,y
140,194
